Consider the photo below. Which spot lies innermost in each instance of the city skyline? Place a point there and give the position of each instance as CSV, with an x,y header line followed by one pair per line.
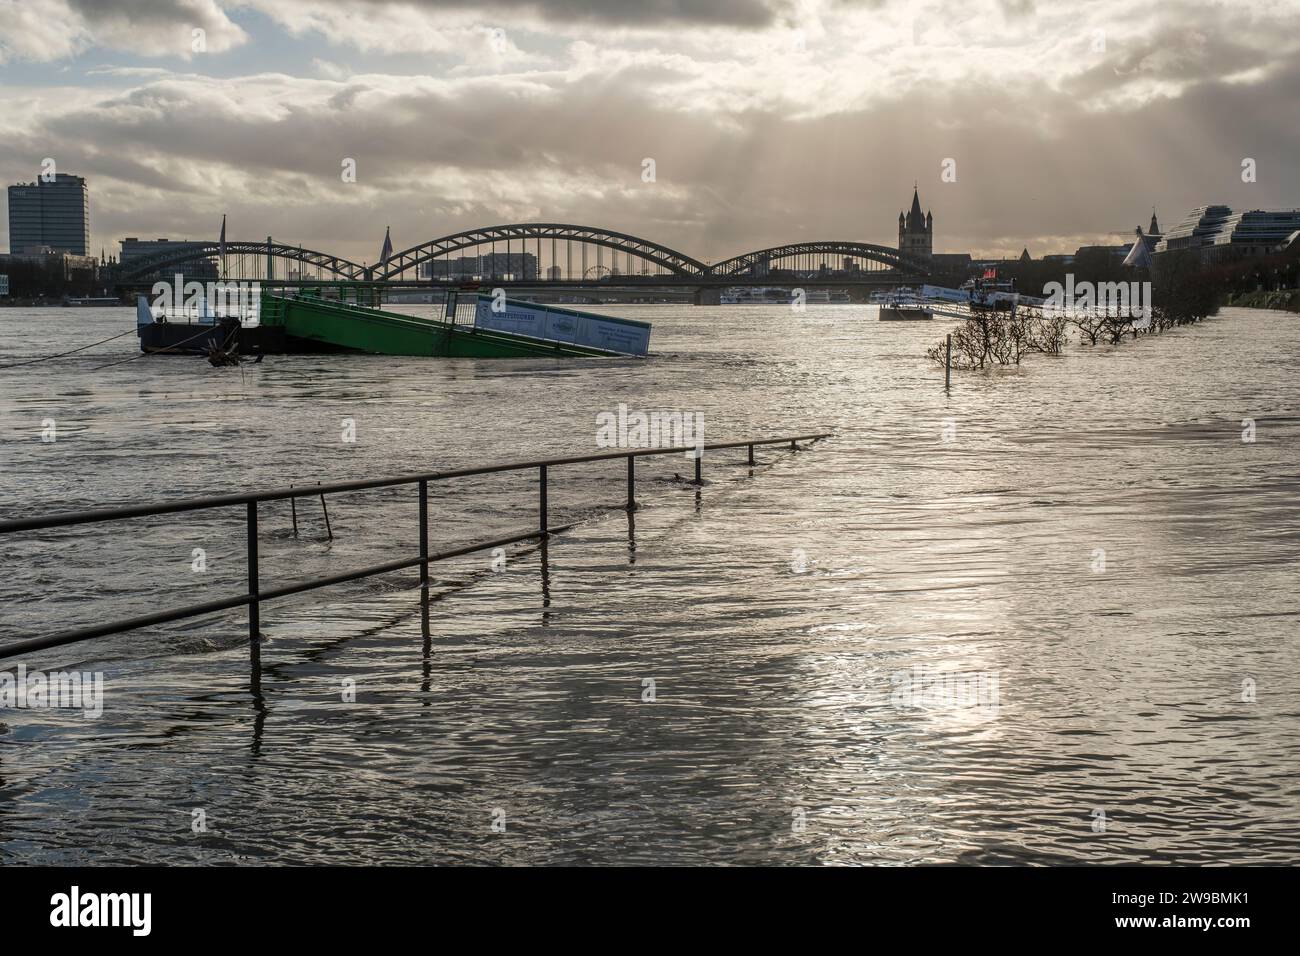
x,y
1062,127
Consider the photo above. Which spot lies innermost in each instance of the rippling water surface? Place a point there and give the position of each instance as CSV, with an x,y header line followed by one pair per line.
x,y
1090,534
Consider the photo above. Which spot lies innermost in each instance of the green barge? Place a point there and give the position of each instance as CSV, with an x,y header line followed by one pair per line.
x,y
470,326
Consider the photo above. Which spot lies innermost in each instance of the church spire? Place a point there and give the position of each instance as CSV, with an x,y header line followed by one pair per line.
x,y
916,228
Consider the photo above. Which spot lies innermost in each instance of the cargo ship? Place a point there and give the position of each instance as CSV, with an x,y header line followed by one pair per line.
x,y
312,320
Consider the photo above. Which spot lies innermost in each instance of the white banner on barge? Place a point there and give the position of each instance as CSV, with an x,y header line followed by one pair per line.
x,y
563,325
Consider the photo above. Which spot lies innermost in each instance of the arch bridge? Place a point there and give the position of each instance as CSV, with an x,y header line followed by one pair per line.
x,y
515,239
262,253
518,252
808,255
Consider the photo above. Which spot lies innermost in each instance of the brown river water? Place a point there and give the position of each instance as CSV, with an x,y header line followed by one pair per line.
x,y
1050,617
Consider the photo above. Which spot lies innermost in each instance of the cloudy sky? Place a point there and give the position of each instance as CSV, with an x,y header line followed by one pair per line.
x,y
768,121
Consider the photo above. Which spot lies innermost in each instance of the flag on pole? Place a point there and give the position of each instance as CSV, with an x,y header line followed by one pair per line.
x,y
386,253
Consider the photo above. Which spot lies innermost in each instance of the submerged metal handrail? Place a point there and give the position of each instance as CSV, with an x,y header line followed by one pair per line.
x,y
255,595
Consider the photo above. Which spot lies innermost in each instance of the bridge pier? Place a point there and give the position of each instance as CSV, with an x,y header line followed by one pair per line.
x,y
708,295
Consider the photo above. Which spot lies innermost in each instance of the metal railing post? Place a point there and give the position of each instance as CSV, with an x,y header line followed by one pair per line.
x,y
328,530
253,596
751,456
424,533
541,503
254,607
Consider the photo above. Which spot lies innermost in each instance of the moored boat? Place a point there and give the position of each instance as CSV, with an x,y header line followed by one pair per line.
x,y
904,313
199,330
306,321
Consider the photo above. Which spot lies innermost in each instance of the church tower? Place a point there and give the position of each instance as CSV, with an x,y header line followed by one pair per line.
x,y
915,230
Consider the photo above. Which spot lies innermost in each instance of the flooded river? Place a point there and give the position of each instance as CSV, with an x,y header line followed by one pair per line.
x,y
1050,617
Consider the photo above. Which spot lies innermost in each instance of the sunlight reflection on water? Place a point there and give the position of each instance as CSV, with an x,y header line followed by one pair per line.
x,y
773,612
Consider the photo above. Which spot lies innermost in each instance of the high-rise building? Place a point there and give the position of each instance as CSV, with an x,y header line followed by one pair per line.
x,y
50,215
916,231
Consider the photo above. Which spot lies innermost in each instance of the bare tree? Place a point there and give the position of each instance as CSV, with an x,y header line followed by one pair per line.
x,y
1089,323
1018,330
1051,334
970,347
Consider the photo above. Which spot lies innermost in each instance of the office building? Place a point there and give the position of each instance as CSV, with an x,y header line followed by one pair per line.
x,y
50,215
1217,233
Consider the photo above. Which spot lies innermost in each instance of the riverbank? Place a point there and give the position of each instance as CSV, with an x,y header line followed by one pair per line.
x,y
1286,300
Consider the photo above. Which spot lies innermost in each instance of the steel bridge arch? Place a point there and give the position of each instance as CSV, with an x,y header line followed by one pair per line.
x,y
343,268
675,262
739,265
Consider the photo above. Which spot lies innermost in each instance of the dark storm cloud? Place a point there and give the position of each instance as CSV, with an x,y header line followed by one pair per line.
x,y
1017,8
176,12
739,13
760,179
1173,52
752,147
748,13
